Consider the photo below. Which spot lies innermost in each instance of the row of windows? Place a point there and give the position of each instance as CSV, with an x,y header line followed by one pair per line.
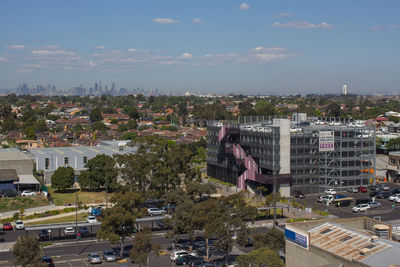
x,y
66,162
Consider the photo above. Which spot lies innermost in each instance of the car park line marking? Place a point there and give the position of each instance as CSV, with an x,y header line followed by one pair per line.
x,y
76,260
70,264
87,264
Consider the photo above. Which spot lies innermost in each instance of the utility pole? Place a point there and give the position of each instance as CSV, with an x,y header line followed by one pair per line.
x,y
76,214
274,196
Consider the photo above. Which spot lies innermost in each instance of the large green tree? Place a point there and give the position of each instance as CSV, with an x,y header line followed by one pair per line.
x,y
101,172
142,247
95,115
273,239
27,251
260,257
63,178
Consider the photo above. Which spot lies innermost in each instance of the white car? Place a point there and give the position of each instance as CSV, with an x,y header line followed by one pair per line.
x,y
69,231
91,219
330,191
392,197
321,199
361,207
178,253
19,225
397,199
155,212
28,193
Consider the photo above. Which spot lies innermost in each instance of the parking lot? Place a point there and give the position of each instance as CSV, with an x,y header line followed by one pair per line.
x,y
386,212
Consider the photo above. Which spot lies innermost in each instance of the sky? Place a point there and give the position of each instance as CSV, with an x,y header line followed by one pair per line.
x,y
217,46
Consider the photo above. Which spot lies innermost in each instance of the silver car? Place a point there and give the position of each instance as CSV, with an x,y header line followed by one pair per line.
x,y
94,258
374,205
109,255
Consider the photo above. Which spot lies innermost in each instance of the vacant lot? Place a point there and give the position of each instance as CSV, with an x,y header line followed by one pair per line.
x,y
16,203
84,197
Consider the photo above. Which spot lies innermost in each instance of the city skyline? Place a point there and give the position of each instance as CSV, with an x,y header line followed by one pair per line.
x,y
251,47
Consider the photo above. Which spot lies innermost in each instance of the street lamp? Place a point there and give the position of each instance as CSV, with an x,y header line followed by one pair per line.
x,y
76,214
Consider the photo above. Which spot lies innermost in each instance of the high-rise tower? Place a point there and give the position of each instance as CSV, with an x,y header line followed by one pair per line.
x,y
344,89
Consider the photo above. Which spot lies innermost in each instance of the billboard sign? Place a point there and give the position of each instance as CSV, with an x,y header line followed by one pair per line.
x,y
326,141
296,237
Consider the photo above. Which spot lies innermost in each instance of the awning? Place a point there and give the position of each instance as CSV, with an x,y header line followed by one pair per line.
x,y
7,187
27,179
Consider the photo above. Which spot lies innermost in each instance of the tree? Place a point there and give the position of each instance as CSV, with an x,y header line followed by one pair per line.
x,y
334,109
26,251
63,178
95,115
119,221
143,246
273,239
393,144
100,172
132,112
99,126
264,108
260,257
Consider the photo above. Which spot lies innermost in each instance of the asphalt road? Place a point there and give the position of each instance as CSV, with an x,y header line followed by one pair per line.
x,y
72,253
386,213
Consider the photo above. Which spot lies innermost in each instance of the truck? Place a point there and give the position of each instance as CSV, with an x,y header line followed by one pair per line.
x,y
330,199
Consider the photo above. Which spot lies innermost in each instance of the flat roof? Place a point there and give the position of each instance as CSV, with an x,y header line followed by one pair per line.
x,y
12,154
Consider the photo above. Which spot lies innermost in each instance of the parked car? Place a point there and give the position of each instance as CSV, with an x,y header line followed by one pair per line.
x,y
361,207
343,203
19,225
352,190
298,194
385,187
383,194
109,255
184,260
47,261
9,193
169,208
84,231
396,199
374,205
392,197
177,253
28,193
363,201
160,224
362,189
322,199
91,219
94,258
69,232
330,191
395,191
155,211
42,235
248,242
97,211
7,226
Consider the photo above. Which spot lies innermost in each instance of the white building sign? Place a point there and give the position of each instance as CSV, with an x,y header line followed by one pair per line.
x,y
326,141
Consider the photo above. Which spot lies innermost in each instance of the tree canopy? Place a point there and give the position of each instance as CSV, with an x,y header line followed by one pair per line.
x,y
63,178
27,251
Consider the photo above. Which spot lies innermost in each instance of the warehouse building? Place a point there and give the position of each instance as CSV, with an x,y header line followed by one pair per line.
x,y
309,154
355,242
48,159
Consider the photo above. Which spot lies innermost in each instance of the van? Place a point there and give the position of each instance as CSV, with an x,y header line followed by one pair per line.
x,y
343,203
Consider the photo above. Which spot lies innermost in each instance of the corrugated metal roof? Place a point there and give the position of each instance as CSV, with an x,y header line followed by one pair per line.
x,y
345,243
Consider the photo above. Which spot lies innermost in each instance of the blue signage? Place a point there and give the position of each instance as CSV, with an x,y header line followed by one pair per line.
x,y
296,238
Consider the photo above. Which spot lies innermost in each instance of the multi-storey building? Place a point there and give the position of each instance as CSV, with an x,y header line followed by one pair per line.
x,y
307,154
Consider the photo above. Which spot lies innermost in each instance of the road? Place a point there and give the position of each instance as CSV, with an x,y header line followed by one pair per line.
x,y
72,253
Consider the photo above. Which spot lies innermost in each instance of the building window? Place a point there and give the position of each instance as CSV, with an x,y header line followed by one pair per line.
x,y
66,161
46,163
84,160
393,161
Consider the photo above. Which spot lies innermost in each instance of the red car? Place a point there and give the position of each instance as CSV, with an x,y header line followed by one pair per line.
x,y
7,226
362,189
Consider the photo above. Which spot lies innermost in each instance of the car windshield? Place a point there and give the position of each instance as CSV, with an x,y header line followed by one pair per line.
x,y
47,260
108,253
19,223
95,256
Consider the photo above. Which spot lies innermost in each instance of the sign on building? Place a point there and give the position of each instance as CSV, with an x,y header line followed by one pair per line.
x,y
297,237
326,141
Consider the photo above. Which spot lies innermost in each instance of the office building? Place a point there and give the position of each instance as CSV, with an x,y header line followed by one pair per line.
x,y
309,154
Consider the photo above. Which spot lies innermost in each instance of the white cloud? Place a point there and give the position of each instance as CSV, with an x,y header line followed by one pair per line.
x,y
197,20
51,46
92,64
99,47
283,14
377,27
47,52
165,20
16,47
3,59
132,50
24,70
186,56
244,6
394,27
303,25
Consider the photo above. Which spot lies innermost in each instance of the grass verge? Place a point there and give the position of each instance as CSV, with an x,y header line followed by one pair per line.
x,y
84,197
65,219
17,203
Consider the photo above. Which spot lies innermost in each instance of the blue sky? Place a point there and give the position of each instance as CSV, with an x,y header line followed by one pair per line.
x,y
227,46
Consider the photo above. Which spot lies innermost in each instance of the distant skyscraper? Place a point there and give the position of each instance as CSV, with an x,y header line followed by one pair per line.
x,y
344,89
